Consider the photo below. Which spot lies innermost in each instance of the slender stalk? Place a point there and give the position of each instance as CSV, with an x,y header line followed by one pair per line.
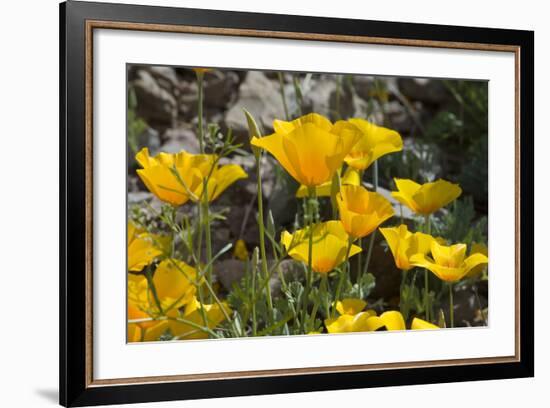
x,y
298,94
283,98
254,264
173,234
334,190
261,227
309,276
360,241
203,209
427,310
208,237
338,96
451,305
322,290
151,285
342,276
373,234
200,81
375,175
325,293
476,293
403,303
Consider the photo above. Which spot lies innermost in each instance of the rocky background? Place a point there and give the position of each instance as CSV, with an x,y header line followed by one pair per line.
x,y
443,124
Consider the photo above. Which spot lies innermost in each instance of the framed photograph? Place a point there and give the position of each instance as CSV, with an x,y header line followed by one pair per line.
x,y
256,204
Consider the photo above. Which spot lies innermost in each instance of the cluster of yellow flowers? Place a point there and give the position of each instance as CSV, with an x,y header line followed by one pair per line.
x,y
313,150
178,178
167,300
167,295
353,318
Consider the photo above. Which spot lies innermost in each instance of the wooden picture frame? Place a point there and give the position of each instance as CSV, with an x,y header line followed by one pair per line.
x,y
78,20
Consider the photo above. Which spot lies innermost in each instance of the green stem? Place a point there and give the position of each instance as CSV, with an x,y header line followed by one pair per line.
x,y
373,234
359,259
283,98
451,305
261,227
360,241
483,316
334,190
342,276
311,196
403,303
322,290
151,285
174,234
208,237
338,96
200,81
298,94
427,310
254,322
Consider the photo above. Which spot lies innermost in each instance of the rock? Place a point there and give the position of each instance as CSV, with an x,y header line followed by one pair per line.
x,y
139,196
319,97
166,78
400,120
424,90
291,270
220,88
177,139
229,271
467,305
150,139
156,105
282,202
261,97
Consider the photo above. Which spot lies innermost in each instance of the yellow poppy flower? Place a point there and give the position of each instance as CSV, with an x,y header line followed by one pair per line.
x,y
330,243
174,286
350,306
404,244
369,321
361,211
141,249
240,251
158,175
220,179
391,320
193,313
134,333
419,324
348,323
174,282
140,306
148,331
376,141
427,198
449,262
310,148
477,249
351,177
177,325
201,71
